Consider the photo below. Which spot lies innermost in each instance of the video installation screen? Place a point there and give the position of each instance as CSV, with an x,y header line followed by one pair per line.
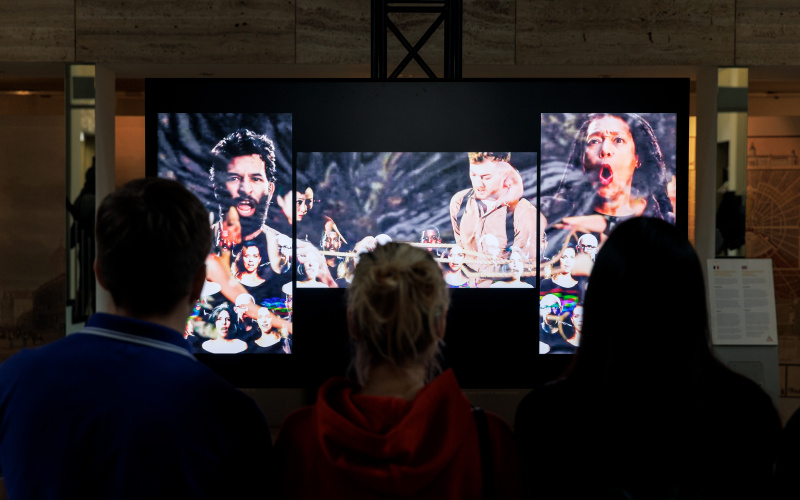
x,y
512,185
472,211
240,166
597,170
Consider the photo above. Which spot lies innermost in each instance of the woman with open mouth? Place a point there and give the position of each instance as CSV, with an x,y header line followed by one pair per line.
x,y
615,171
226,339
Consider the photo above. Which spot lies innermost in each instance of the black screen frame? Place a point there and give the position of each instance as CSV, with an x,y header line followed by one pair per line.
x,y
496,349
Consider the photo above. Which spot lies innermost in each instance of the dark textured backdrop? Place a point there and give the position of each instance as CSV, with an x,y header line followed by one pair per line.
x,y
398,194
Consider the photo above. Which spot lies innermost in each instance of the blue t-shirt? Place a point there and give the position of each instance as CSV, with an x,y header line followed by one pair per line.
x,y
122,409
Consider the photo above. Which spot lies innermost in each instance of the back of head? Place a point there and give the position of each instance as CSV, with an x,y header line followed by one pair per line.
x,y
645,314
396,307
153,237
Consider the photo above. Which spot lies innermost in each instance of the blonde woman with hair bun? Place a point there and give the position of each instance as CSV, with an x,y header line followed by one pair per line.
x,y
402,429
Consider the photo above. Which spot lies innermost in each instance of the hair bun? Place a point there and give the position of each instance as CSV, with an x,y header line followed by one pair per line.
x,y
396,303
386,275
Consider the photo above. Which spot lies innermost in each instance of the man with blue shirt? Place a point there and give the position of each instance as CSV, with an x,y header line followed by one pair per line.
x,y
122,409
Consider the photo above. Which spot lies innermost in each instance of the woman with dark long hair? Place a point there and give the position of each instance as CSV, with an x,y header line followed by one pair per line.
x,y
248,267
226,335
454,272
400,430
615,170
646,410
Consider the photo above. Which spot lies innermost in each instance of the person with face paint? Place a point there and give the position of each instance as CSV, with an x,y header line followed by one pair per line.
x,y
554,329
431,235
615,171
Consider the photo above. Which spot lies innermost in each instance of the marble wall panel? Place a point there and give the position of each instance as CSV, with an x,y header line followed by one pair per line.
x,y
37,31
628,32
340,32
505,32
489,31
333,32
767,32
178,31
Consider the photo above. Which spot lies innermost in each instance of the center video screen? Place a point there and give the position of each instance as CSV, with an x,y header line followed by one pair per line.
x,y
473,211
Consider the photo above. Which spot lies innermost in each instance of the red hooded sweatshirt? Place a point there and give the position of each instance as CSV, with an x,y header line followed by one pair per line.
x,y
354,446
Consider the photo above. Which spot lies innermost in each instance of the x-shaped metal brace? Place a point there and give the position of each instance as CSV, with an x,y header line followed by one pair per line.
x,y
449,14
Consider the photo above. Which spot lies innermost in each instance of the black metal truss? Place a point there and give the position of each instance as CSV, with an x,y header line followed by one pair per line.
x,y
449,15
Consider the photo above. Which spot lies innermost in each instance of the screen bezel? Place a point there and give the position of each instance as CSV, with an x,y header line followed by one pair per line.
x,y
417,115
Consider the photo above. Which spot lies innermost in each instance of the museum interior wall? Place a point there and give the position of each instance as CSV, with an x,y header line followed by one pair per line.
x,y
333,32
331,38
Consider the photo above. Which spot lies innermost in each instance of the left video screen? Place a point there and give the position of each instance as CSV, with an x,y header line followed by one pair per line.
x,y
240,166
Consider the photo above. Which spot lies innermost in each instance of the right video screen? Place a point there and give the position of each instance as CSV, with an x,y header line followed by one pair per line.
x,y
596,170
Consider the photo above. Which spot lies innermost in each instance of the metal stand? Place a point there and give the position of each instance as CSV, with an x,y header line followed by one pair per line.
x,y
449,14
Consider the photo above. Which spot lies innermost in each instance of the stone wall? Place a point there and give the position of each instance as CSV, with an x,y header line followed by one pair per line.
x,y
501,32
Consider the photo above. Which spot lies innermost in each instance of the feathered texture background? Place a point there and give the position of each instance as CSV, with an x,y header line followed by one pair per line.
x,y
397,193
185,141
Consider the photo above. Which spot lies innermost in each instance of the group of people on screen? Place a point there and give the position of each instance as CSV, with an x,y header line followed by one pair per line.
x,y
495,231
245,305
615,170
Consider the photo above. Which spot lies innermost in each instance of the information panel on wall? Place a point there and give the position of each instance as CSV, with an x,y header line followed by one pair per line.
x,y
742,302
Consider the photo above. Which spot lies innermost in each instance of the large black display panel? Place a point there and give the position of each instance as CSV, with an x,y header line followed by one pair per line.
x,y
350,164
